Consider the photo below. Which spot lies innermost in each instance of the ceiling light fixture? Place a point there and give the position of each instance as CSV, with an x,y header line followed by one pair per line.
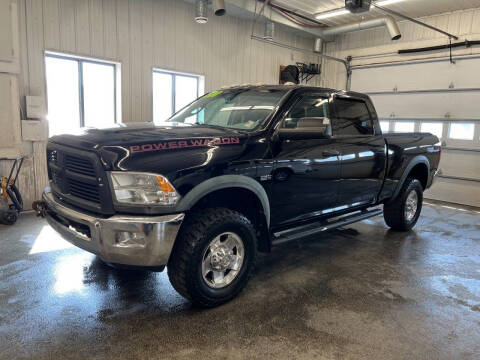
x,y
386,2
338,12
329,14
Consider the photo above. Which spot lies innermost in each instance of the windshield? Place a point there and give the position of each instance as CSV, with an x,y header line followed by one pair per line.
x,y
233,108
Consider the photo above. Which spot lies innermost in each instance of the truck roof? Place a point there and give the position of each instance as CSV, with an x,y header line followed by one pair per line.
x,y
297,87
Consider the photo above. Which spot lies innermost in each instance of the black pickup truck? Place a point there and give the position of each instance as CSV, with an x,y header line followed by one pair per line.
x,y
235,172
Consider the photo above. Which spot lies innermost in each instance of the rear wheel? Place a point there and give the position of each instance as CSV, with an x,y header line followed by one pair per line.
x,y
403,212
213,257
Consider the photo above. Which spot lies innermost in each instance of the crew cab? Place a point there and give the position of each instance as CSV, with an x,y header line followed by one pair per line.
x,y
236,172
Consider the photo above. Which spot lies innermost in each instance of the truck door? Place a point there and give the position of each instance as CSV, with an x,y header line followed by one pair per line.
x,y
305,168
362,151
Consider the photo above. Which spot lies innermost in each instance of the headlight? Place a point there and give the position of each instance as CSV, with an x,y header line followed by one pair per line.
x,y
142,188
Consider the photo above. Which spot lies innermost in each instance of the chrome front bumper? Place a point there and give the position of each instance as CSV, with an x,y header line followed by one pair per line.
x,y
127,240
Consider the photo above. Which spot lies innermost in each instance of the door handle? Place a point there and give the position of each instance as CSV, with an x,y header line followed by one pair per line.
x,y
330,153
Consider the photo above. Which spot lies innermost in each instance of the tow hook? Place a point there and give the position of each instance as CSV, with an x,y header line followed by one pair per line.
x,y
40,208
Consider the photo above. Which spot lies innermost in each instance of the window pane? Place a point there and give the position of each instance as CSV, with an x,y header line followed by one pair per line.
x,y
435,128
237,108
63,95
385,125
162,96
461,131
352,118
99,94
311,106
186,88
404,126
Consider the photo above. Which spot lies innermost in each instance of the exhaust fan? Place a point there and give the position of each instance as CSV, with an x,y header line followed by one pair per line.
x,y
357,6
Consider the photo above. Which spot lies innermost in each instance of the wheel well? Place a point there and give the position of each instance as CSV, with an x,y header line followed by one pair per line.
x,y
244,201
420,172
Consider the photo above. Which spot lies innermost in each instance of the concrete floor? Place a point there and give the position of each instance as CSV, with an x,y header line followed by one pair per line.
x,y
357,293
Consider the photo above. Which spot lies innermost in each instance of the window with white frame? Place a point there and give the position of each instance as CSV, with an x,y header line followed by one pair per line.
x,y
404,126
172,91
81,92
461,131
385,126
435,128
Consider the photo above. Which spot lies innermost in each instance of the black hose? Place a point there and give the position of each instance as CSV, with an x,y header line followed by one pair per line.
x,y
465,43
15,196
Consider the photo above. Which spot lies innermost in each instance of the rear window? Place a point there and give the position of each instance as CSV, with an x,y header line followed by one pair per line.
x,y
352,118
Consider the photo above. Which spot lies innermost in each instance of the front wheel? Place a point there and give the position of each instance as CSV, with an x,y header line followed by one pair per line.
x,y
213,257
403,212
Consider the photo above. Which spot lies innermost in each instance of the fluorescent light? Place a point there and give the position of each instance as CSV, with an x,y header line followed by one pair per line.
x,y
387,2
328,14
338,12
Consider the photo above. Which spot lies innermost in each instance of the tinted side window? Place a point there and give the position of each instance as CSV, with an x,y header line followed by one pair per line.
x,y
352,118
311,106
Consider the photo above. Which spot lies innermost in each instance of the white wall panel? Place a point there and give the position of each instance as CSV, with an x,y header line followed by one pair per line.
x,y
6,38
458,105
375,47
96,28
68,42
51,23
463,74
10,134
82,26
110,28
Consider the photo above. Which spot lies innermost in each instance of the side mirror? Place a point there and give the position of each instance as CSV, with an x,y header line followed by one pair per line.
x,y
308,128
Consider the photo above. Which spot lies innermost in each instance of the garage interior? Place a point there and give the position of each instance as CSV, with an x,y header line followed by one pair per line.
x,y
358,292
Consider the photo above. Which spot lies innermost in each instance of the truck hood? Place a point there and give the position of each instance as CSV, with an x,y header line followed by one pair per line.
x,y
139,133
158,149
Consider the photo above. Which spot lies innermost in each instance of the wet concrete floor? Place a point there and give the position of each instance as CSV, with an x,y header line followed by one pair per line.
x,y
363,292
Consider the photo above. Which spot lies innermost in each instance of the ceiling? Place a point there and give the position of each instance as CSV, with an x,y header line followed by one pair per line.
x,y
412,8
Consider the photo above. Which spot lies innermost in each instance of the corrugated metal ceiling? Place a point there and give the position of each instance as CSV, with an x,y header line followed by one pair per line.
x,y
412,8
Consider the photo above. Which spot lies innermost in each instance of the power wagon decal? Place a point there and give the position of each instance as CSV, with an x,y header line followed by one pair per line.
x,y
183,144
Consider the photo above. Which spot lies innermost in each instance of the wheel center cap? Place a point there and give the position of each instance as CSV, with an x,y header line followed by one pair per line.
x,y
220,259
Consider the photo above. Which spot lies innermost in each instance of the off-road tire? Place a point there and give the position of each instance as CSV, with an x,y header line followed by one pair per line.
x,y
394,211
197,231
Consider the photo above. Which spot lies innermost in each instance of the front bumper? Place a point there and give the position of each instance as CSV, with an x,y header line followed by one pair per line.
x,y
127,240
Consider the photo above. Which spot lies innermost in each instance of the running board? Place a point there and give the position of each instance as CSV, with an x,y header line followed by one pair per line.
x,y
318,227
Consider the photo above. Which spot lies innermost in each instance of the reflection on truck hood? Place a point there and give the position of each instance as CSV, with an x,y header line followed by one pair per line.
x,y
139,133
138,147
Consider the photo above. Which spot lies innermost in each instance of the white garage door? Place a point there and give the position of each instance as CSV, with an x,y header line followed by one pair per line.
x,y
438,97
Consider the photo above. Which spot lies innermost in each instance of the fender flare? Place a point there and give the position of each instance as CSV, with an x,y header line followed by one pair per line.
x,y
419,159
223,182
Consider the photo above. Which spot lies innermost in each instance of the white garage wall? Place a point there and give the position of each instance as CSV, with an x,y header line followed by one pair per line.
x,y
140,34
375,47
